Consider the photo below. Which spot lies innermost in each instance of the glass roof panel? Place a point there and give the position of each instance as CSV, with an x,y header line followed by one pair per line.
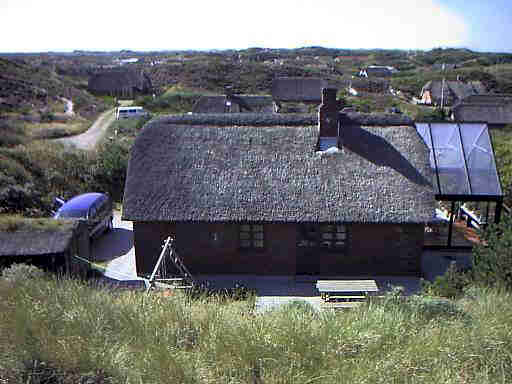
x,y
462,158
451,168
480,159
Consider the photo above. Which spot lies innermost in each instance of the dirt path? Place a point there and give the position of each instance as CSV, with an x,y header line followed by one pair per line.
x,y
93,135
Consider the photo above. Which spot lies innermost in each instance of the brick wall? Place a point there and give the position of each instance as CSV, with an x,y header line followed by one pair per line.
x,y
373,249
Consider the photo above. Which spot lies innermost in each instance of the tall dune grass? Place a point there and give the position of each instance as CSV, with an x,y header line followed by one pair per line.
x,y
75,330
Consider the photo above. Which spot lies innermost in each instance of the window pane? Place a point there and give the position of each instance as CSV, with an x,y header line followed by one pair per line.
x,y
341,228
327,236
257,228
245,243
258,235
245,228
341,236
245,235
258,243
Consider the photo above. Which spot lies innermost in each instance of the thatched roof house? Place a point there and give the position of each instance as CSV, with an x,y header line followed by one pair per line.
x,y
233,104
495,109
449,92
253,193
52,245
376,71
298,89
120,82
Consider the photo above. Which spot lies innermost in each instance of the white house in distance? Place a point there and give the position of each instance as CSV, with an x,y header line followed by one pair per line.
x,y
377,71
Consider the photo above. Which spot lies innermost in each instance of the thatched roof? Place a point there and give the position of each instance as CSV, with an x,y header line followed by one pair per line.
x,y
453,90
116,81
34,243
298,89
493,109
218,104
233,168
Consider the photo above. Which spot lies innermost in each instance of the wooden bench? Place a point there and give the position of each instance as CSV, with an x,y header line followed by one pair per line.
x,y
346,290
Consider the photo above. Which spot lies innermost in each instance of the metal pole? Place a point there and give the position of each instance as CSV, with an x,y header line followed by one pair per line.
x,y
497,214
450,229
442,94
160,259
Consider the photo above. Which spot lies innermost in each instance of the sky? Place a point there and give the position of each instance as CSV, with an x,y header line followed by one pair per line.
x,y
67,25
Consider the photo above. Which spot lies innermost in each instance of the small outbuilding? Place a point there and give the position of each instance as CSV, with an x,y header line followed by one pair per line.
x,y
55,245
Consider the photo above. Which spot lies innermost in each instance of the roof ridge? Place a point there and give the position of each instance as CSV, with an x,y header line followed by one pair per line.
x,y
276,119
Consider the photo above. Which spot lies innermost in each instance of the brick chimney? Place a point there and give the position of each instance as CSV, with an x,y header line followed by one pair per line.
x,y
328,119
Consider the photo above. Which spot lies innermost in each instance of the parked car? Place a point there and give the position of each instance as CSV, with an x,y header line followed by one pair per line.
x,y
94,208
129,112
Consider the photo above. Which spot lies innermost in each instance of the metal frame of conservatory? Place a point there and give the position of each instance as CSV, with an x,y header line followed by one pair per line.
x,y
462,159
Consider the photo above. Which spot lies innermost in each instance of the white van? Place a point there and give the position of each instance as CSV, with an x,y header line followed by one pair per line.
x,y
128,112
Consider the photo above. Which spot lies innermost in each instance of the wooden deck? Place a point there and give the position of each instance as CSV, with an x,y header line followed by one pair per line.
x,y
462,236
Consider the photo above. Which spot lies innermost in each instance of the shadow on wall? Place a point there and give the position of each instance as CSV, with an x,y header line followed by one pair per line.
x,y
378,151
111,245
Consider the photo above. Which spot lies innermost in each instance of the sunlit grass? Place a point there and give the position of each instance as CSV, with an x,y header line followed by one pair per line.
x,y
133,337
52,130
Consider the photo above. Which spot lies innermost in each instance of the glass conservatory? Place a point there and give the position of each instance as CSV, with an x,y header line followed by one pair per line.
x,y
466,181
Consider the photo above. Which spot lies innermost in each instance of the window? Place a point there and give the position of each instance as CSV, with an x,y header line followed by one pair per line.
x,y
329,236
252,236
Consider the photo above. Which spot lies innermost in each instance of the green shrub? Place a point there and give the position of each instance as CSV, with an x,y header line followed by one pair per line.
x,y
21,272
435,115
169,103
492,259
110,168
452,284
11,133
22,199
47,117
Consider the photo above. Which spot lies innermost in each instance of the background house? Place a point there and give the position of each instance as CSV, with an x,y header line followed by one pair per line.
x,y
233,104
52,246
259,194
120,83
377,71
297,90
495,109
447,93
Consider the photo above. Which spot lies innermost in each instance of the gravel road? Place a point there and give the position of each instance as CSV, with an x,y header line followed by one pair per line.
x,y
93,135
116,250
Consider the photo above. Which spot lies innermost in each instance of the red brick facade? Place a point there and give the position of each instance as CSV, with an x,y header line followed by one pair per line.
x,y
213,248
